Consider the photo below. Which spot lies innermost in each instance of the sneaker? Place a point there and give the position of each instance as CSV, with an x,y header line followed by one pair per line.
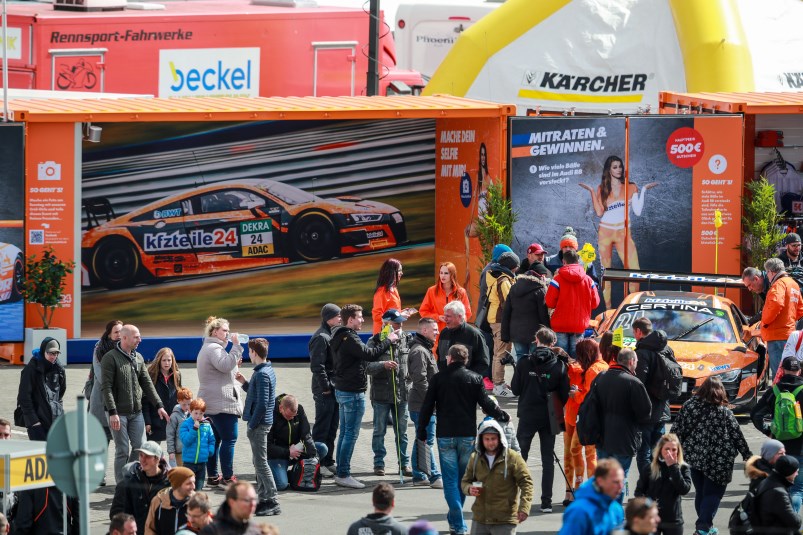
x,y
226,482
487,383
420,482
214,481
437,484
713,531
407,471
379,471
546,507
503,391
268,508
328,471
349,482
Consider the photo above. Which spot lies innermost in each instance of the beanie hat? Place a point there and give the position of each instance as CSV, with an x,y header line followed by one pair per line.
x,y
422,527
569,238
329,311
509,260
179,475
770,449
786,465
498,250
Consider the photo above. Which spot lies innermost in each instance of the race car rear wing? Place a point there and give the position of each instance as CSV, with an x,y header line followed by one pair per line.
x,y
685,279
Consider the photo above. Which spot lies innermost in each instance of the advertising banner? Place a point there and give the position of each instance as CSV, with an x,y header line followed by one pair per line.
x,y
468,159
12,241
257,221
641,191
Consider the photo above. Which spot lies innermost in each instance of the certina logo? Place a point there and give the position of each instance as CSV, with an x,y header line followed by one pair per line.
x,y
216,72
615,83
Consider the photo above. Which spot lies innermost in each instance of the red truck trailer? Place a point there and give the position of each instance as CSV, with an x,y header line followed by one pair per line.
x,y
199,48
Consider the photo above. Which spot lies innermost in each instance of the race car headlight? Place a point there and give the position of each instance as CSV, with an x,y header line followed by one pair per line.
x,y
730,377
397,217
365,218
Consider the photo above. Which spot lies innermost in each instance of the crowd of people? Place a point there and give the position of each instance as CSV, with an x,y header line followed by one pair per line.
x,y
606,400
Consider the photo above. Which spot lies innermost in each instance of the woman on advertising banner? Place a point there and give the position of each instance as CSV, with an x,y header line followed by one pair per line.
x,y
609,205
479,204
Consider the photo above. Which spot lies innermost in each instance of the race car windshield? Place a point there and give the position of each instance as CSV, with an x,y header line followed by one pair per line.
x,y
710,325
289,194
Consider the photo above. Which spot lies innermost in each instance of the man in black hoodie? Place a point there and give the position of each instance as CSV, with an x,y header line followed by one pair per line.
x,y
350,356
455,392
323,389
42,385
650,346
525,312
536,376
762,414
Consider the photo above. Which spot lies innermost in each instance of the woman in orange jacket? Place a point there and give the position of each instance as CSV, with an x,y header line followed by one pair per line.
x,y
446,289
590,364
386,295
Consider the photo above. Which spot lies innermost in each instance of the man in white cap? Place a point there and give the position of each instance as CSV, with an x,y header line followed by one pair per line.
x,y
142,481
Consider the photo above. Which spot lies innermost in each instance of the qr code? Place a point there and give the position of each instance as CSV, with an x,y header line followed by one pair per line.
x,y
36,237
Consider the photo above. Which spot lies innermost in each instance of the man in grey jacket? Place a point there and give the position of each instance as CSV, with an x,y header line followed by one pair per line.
x,y
327,412
422,366
389,392
125,380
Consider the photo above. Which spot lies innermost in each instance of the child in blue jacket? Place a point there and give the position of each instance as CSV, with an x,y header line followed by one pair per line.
x,y
198,441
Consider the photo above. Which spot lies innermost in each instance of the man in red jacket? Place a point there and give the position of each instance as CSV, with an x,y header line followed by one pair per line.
x,y
573,295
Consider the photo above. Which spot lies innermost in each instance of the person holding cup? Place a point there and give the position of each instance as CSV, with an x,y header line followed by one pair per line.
x,y
217,369
500,482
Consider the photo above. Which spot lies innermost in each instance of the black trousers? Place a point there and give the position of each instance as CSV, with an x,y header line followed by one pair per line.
x,y
547,440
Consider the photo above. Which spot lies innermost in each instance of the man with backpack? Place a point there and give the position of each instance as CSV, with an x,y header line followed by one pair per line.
x,y
662,377
777,414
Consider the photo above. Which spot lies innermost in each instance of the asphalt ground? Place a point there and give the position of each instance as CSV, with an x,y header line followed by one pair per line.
x,y
333,509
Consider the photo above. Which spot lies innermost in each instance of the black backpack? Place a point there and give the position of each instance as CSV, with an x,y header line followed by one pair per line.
x,y
589,417
666,378
741,518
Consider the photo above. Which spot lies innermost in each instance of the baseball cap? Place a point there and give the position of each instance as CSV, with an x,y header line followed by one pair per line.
x,y
791,364
151,448
392,315
536,248
792,238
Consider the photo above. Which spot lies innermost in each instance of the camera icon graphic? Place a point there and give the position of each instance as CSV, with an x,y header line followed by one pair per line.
x,y
49,170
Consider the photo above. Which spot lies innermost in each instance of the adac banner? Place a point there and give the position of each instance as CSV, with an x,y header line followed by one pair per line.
x,y
641,191
253,220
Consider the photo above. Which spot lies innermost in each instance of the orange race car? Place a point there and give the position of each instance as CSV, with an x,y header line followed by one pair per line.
x,y
708,333
229,226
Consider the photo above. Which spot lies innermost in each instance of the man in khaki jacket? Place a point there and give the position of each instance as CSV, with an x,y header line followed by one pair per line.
x,y
499,480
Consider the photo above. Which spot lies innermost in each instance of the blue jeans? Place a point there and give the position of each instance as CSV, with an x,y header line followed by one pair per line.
x,y
796,492
130,437
199,469
624,460
568,342
522,350
650,435
279,467
775,352
324,429
707,496
418,475
352,409
454,453
225,428
383,412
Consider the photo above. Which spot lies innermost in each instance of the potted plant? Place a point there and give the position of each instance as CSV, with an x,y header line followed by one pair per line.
x,y
44,285
496,224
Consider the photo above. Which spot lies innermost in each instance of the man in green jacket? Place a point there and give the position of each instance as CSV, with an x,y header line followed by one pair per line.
x,y
499,480
125,379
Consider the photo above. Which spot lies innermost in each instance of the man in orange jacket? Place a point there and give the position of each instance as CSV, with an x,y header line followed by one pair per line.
x,y
782,309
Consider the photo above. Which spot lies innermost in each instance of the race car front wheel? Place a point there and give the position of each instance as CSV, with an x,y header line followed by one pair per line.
x,y
19,277
116,263
313,237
